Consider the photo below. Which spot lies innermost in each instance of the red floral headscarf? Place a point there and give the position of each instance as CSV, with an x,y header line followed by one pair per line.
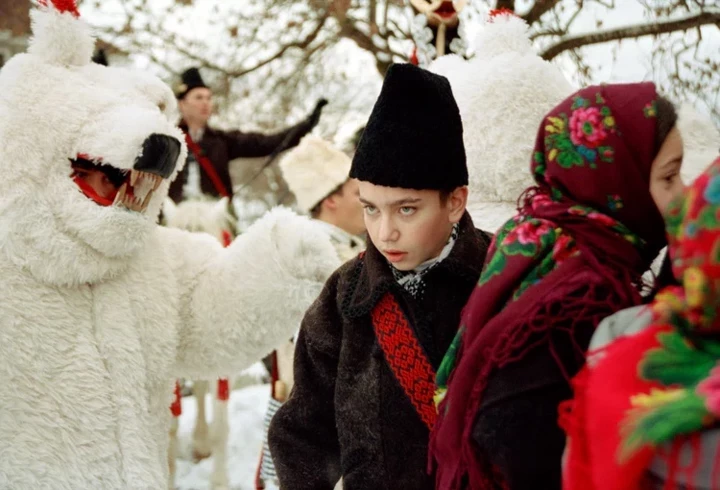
x,y
663,383
590,222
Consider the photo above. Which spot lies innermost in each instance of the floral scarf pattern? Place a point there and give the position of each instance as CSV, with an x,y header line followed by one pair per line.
x,y
686,363
591,209
659,387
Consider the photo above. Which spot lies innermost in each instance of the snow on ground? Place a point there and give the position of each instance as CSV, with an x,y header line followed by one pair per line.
x,y
246,411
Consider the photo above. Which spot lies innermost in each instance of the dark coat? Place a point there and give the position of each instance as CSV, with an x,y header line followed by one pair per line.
x,y
347,415
221,147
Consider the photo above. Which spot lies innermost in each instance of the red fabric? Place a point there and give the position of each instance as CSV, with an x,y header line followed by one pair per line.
x,y
405,356
602,401
223,389
63,6
414,58
227,238
206,165
499,329
641,394
176,406
91,194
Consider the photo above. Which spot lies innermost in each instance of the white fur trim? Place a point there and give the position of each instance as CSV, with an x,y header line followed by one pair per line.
x,y
314,169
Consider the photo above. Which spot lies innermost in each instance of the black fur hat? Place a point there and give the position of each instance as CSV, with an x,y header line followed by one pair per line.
x,y
190,79
414,137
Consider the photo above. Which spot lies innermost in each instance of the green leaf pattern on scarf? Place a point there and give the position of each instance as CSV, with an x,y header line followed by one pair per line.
x,y
686,364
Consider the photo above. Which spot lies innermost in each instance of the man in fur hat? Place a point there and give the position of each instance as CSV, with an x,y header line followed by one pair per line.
x,y
211,150
318,175
368,348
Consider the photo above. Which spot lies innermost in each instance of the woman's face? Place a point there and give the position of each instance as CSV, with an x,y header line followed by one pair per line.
x,y
665,181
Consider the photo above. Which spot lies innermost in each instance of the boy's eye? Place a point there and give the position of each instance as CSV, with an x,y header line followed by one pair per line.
x,y
407,211
370,210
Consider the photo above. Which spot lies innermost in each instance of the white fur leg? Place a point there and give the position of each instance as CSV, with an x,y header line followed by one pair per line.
x,y
219,438
201,435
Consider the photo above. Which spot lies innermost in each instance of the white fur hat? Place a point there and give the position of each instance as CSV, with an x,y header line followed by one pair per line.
x,y
314,169
503,93
701,141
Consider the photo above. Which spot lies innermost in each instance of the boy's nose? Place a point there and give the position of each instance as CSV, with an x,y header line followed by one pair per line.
x,y
388,232
159,155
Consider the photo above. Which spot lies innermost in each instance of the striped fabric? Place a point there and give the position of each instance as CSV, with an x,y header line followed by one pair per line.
x,y
267,468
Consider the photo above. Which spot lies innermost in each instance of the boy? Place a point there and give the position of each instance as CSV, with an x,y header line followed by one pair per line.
x,y
368,349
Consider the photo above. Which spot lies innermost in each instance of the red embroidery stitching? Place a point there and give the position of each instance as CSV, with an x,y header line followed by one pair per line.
x,y
405,357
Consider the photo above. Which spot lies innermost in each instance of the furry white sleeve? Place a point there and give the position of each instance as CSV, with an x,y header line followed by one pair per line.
x,y
242,301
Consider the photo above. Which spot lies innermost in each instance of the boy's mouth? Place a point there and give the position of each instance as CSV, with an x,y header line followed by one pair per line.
x,y
394,256
135,188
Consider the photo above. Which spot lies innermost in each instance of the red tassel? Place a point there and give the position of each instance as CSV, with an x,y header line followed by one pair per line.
x,y
63,6
176,407
413,57
226,238
223,389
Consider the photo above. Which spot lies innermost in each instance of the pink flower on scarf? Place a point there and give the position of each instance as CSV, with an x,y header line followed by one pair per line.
x,y
710,389
528,232
586,127
540,200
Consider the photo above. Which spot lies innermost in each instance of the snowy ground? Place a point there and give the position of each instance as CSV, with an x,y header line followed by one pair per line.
x,y
246,412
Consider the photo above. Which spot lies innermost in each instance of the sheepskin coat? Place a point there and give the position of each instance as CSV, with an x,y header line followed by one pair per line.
x,y
100,308
347,415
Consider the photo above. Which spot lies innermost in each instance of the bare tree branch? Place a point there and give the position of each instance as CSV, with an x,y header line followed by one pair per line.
x,y
538,9
631,32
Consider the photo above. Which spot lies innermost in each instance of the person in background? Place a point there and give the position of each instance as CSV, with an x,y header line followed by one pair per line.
x,y
210,150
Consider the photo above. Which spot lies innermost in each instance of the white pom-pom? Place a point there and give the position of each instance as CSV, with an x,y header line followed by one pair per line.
x,y
504,34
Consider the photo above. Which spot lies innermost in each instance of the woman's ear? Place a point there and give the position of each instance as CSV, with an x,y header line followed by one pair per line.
x,y
457,202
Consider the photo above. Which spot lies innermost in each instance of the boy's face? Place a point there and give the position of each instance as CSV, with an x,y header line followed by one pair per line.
x,y
101,184
409,226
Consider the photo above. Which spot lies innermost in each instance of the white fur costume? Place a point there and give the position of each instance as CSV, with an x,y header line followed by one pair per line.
x,y
503,92
100,308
